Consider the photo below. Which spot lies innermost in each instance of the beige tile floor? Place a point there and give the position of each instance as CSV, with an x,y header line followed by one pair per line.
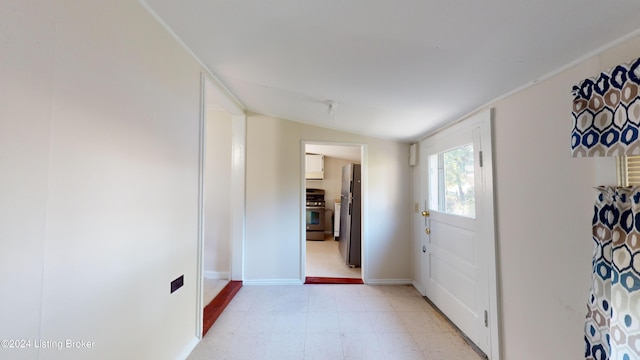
x,y
324,260
331,322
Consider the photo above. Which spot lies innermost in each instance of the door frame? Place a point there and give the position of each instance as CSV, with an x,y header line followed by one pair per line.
x,y
483,120
364,250
212,90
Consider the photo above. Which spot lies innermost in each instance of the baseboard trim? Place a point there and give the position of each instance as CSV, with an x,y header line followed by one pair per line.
x,y
213,310
389,282
216,275
184,354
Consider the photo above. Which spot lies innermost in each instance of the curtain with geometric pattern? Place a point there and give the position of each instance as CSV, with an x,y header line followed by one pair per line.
x,y
612,328
606,113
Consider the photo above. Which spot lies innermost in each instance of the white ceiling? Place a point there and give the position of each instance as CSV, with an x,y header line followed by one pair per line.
x,y
397,69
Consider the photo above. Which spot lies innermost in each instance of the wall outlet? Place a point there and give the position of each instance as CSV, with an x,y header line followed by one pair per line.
x,y
177,283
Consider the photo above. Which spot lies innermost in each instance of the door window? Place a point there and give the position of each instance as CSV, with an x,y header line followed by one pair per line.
x,y
451,182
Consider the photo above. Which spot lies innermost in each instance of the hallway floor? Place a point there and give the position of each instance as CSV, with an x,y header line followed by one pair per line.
x,y
324,260
211,288
331,322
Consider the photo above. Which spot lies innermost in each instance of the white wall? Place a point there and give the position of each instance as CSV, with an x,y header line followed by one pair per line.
x,y
26,68
274,190
99,114
217,227
544,203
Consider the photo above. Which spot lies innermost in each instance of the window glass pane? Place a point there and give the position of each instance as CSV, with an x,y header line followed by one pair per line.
x,y
459,194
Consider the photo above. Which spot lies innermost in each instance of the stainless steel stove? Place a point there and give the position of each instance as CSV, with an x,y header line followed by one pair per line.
x,y
315,214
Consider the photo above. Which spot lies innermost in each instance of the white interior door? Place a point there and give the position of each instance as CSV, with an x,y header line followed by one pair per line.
x,y
454,242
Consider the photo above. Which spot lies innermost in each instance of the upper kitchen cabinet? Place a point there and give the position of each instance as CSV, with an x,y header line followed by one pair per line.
x,y
314,167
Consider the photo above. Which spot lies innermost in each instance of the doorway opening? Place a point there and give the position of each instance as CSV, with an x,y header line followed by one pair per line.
x,y
221,202
217,201
333,241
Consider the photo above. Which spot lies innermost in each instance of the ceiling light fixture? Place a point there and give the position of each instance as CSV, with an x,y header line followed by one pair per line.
x,y
331,106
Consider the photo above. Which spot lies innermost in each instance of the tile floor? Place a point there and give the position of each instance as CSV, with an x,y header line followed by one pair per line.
x,y
211,288
324,260
331,322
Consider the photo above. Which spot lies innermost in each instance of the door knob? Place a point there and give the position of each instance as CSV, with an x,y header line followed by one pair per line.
x,y
427,230
425,213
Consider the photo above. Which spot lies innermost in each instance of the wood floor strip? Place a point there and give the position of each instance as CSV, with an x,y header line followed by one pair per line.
x,y
217,305
331,280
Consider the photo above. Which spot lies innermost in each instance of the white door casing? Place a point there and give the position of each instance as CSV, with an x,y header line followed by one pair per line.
x,y
459,252
364,199
210,90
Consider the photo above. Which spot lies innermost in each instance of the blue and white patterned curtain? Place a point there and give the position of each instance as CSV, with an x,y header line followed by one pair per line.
x,y
612,329
606,113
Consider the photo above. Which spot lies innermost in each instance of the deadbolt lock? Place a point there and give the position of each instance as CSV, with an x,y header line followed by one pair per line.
x,y
425,213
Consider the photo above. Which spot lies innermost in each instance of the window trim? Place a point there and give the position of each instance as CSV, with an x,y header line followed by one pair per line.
x,y
621,171
625,176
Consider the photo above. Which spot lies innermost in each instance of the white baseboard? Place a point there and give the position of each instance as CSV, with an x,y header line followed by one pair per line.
x,y
273,282
188,349
389,282
418,287
222,275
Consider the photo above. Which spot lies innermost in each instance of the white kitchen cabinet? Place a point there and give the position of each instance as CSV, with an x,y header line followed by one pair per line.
x,y
314,167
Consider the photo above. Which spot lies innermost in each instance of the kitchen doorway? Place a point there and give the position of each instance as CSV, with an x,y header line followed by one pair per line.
x,y
333,242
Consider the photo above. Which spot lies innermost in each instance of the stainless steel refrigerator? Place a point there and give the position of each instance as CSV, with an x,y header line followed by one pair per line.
x,y
350,214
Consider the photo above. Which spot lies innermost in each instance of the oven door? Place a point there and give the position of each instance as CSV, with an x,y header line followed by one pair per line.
x,y
315,218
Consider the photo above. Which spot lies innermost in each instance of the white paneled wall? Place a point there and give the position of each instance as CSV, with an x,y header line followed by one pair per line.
x,y
99,181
